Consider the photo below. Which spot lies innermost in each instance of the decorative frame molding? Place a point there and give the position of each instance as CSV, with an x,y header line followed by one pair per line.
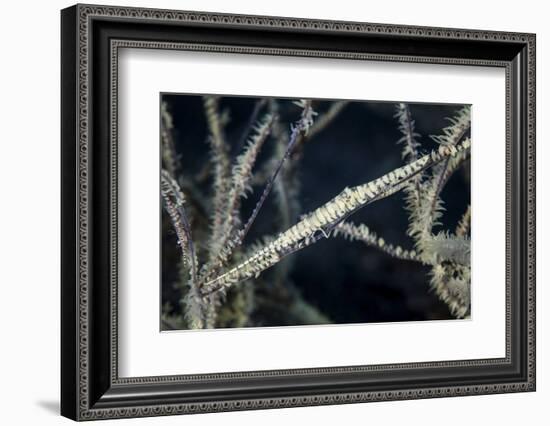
x,y
91,37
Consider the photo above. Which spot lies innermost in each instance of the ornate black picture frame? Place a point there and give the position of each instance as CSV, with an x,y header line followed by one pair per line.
x,y
90,38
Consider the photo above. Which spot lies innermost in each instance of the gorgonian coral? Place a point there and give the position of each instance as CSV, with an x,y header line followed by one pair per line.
x,y
224,264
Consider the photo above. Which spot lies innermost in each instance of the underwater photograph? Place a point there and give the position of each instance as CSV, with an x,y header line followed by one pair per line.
x,y
293,212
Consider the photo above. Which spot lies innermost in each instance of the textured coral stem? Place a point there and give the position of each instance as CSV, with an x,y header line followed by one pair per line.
x,y
299,129
463,226
362,233
174,202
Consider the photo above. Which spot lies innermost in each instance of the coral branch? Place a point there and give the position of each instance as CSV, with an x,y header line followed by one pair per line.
x,y
287,186
174,201
463,226
429,211
300,128
444,247
451,136
169,156
240,178
362,233
409,152
250,125
451,282
221,163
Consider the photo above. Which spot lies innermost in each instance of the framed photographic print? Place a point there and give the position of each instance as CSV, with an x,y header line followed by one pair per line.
x,y
263,212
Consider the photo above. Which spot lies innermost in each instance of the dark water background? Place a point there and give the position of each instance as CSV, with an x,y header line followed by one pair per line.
x,y
348,282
